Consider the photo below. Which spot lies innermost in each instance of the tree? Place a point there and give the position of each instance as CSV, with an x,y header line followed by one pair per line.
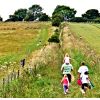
x,y
20,13
78,19
1,19
33,13
44,17
56,20
12,18
65,12
91,14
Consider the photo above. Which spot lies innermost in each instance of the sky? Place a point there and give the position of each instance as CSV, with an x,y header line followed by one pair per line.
x,y
8,7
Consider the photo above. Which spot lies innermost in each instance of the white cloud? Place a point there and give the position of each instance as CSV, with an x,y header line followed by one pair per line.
x,y
7,7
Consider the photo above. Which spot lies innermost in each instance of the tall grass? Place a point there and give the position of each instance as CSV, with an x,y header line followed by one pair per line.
x,y
44,82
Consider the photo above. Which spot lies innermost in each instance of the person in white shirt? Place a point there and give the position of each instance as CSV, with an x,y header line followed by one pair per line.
x,y
83,68
85,82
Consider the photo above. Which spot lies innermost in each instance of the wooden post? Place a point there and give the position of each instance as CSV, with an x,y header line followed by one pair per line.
x,y
3,83
22,62
18,74
8,80
35,69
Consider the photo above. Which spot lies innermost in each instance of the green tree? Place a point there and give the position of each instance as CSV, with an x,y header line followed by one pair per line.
x,y
20,13
65,12
12,18
44,17
91,14
56,20
1,19
34,13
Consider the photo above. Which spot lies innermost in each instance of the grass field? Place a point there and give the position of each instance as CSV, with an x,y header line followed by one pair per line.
x,y
18,40
89,32
44,82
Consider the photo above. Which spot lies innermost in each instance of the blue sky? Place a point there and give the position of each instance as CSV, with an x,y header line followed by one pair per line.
x,y
7,7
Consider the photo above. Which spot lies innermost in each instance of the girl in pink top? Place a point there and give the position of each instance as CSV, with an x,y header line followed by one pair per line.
x,y
67,59
65,83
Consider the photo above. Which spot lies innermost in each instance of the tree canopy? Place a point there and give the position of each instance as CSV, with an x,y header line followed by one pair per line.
x,y
34,13
1,19
91,14
65,12
44,17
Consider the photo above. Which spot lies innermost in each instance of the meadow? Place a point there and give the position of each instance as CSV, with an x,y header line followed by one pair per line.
x,y
44,81
90,33
18,40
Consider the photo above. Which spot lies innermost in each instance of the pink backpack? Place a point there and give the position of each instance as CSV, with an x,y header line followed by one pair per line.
x,y
79,82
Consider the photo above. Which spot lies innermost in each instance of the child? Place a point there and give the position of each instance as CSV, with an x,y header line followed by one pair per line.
x,y
85,82
67,59
65,83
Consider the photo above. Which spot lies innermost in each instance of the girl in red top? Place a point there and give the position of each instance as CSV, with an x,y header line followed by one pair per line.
x,y
65,83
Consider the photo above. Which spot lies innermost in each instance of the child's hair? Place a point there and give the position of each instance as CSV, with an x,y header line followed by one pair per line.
x,y
83,63
67,54
65,75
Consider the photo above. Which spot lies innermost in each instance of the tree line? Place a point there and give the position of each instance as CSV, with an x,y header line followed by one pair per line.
x,y
61,13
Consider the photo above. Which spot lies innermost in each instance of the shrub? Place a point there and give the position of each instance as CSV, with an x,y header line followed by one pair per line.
x,y
56,22
78,19
54,38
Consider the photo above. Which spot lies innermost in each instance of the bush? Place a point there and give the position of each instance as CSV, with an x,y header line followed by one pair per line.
x,y
54,38
78,19
81,19
56,22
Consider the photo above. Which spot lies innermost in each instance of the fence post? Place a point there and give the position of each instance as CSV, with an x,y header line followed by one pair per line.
x,y
18,74
8,80
3,83
35,69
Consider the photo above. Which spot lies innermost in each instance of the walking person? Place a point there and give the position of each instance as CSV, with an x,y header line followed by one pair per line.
x,y
66,68
67,58
83,76
65,83
85,82
83,68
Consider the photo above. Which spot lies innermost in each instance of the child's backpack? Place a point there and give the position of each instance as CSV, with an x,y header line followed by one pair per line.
x,y
79,82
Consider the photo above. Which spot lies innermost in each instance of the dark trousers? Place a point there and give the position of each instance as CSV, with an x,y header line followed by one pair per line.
x,y
69,77
85,85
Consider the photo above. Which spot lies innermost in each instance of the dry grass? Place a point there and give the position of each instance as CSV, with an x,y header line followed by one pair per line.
x,y
15,36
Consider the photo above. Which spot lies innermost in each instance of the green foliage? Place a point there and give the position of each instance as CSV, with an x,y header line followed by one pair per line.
x,y
18,15
55,37
65,12
1,19
44,17
34,12
78,19
56,22
29,17
91,14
